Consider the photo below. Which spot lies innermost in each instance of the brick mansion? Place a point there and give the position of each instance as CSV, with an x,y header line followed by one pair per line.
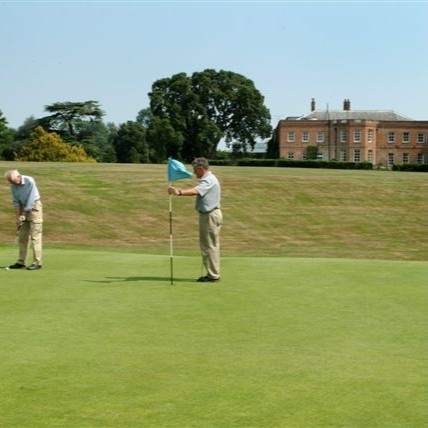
x,y
382,137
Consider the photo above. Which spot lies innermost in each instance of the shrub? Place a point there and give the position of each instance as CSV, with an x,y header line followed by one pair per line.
x,y
411,167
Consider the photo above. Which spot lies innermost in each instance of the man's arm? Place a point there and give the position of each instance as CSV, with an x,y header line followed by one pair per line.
x,y
18,213
31,197
182,192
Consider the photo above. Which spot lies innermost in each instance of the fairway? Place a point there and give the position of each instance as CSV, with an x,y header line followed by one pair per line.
x,y
101,339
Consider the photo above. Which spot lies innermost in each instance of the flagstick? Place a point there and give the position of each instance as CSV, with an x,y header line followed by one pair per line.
x,y
171,264
176,171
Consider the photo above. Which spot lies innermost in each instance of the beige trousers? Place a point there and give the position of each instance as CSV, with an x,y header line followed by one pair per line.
x,y
30,233
209,241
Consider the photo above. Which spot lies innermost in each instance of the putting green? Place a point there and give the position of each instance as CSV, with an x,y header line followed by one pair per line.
x,y
101,338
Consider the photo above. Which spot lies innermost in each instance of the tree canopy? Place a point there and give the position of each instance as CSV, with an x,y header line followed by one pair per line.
x,y
130,143
207,107
188,116
68,117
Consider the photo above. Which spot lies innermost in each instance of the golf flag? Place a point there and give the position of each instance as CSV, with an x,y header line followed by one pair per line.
x,y
177,171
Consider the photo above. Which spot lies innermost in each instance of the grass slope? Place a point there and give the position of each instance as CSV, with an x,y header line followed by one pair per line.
x,y
101,339
268,211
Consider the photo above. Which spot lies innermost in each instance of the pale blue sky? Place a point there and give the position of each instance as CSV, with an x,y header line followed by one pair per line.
x,y
374,53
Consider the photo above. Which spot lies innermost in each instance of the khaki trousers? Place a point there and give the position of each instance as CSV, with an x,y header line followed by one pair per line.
x,y
30,233
209,241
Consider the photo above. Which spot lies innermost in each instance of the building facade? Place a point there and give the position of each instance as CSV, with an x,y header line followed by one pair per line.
x,y
381,137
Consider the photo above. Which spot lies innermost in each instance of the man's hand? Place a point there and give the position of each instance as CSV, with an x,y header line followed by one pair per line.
x,y
173,191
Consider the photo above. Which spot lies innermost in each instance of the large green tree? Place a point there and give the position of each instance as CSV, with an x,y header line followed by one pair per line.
x,y
95,138
144,117
130,143
163,140
67,118
210,106
235,105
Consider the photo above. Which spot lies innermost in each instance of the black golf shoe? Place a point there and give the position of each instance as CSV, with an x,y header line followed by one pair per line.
x,y
17,265
207,279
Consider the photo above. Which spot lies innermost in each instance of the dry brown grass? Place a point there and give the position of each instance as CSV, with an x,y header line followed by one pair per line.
x,y
267,211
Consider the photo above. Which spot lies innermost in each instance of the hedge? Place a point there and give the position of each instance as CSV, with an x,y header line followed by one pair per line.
x,y
292,164
414,167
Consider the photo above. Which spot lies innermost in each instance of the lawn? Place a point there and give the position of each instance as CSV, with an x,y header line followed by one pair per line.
x,y
320,319
101,339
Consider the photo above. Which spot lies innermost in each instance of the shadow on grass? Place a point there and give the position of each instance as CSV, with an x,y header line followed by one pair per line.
x,y
113,279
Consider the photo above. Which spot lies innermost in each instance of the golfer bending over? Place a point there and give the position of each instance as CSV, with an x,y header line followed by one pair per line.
x,y
208,195
29,218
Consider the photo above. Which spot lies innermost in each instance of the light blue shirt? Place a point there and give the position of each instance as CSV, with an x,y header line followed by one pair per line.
x,y
25,194
209,193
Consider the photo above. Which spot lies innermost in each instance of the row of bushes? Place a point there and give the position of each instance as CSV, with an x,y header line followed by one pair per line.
x,y
292,164
314,164
414,167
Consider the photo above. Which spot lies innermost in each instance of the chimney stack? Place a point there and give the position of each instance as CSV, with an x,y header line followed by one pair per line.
x,y
313,104
347,105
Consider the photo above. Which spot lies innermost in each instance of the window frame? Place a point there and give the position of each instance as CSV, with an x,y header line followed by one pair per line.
x,y
406,137
320,136
305,134
357,155
357,136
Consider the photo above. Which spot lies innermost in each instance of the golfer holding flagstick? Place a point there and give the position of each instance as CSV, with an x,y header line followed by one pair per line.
x,y
208,195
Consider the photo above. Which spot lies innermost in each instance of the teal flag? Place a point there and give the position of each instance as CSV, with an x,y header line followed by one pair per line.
x,y
177,171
